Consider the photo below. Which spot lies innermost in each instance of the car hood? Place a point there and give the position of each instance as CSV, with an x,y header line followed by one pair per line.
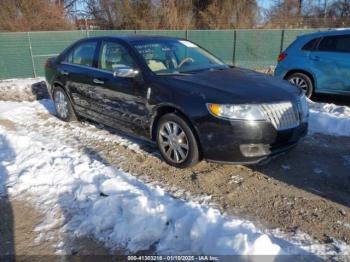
x,y
240,85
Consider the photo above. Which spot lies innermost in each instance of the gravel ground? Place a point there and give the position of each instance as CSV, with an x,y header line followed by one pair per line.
x,y
306,190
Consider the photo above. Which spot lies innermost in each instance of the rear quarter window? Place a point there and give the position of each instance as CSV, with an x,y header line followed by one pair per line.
x,y
311,45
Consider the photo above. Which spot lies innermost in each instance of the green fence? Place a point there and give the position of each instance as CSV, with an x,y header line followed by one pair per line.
x,y
24,54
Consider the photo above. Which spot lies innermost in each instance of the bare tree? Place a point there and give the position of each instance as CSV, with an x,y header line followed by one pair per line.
x,y
309,13
173,14
28,15
121,14
219,14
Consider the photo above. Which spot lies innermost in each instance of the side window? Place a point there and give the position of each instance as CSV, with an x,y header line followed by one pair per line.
x,y
343,44
69,57
83,54
328,44
114,55
335,44
311,45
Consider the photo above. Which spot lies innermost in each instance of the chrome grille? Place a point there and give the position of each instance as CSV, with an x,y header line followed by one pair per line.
x,y
282,115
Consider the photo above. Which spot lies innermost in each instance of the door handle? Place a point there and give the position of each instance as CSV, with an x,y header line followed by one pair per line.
x,y
65,73
98,81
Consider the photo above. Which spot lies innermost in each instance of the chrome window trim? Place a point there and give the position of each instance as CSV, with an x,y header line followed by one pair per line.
x,y
87,67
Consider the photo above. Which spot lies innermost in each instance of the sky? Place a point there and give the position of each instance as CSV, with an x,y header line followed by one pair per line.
x,y
265,3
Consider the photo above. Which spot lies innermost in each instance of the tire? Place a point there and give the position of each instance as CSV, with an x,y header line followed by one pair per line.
x,y
171,139
63,106
303,81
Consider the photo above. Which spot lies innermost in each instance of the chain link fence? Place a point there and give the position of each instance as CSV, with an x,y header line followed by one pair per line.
x,y
24,54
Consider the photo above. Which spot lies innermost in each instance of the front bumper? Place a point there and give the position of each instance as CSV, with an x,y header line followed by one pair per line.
x,y
221,140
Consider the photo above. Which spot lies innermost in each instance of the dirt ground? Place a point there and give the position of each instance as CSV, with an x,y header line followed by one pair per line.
x,y
18,220
17,224
306,190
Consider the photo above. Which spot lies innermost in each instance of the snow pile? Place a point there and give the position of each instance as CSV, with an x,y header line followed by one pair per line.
x,y
329,119
117,208
23,89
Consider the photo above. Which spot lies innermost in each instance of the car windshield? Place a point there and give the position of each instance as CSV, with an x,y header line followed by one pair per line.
x,y
167,56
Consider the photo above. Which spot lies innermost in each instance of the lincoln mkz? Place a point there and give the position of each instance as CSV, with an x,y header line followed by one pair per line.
x,y
173,92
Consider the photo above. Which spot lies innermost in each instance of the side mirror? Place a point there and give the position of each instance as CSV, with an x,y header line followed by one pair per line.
x,y
125,71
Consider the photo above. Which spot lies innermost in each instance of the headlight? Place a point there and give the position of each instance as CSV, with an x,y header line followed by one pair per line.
x,y
237,112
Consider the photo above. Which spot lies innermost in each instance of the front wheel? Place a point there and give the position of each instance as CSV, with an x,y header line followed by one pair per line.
x,y
303,81
177,142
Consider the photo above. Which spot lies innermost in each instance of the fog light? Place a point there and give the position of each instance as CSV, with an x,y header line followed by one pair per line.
x,y
254,150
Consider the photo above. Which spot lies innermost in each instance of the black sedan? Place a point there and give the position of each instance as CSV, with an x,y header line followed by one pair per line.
x,y
176,93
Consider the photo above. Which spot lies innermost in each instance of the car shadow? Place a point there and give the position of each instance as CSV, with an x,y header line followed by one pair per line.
x,y
335,99
7,242
314,165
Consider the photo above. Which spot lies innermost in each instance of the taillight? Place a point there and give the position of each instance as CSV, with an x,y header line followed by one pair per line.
x,y
281,56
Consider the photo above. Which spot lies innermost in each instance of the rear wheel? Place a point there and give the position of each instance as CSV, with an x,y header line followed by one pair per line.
x,y
176,141
303,81
63,105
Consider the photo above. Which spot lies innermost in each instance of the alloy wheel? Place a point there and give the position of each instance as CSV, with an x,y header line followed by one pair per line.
x,y
61,104
298,81
173,142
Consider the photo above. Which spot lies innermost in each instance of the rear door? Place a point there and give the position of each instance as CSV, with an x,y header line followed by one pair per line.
x,y
78,70
331,61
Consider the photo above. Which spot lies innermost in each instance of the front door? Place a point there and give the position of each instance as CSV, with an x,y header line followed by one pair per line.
x,y
122,100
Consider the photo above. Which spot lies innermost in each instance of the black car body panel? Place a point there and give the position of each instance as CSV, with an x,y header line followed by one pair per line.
x,y
132,104
242,85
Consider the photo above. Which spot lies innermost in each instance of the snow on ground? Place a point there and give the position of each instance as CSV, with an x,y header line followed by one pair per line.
x,y
19,83
23,89
329,119
84,196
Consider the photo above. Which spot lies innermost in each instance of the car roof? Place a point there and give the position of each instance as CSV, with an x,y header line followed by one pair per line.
x,y
131,38
340,31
